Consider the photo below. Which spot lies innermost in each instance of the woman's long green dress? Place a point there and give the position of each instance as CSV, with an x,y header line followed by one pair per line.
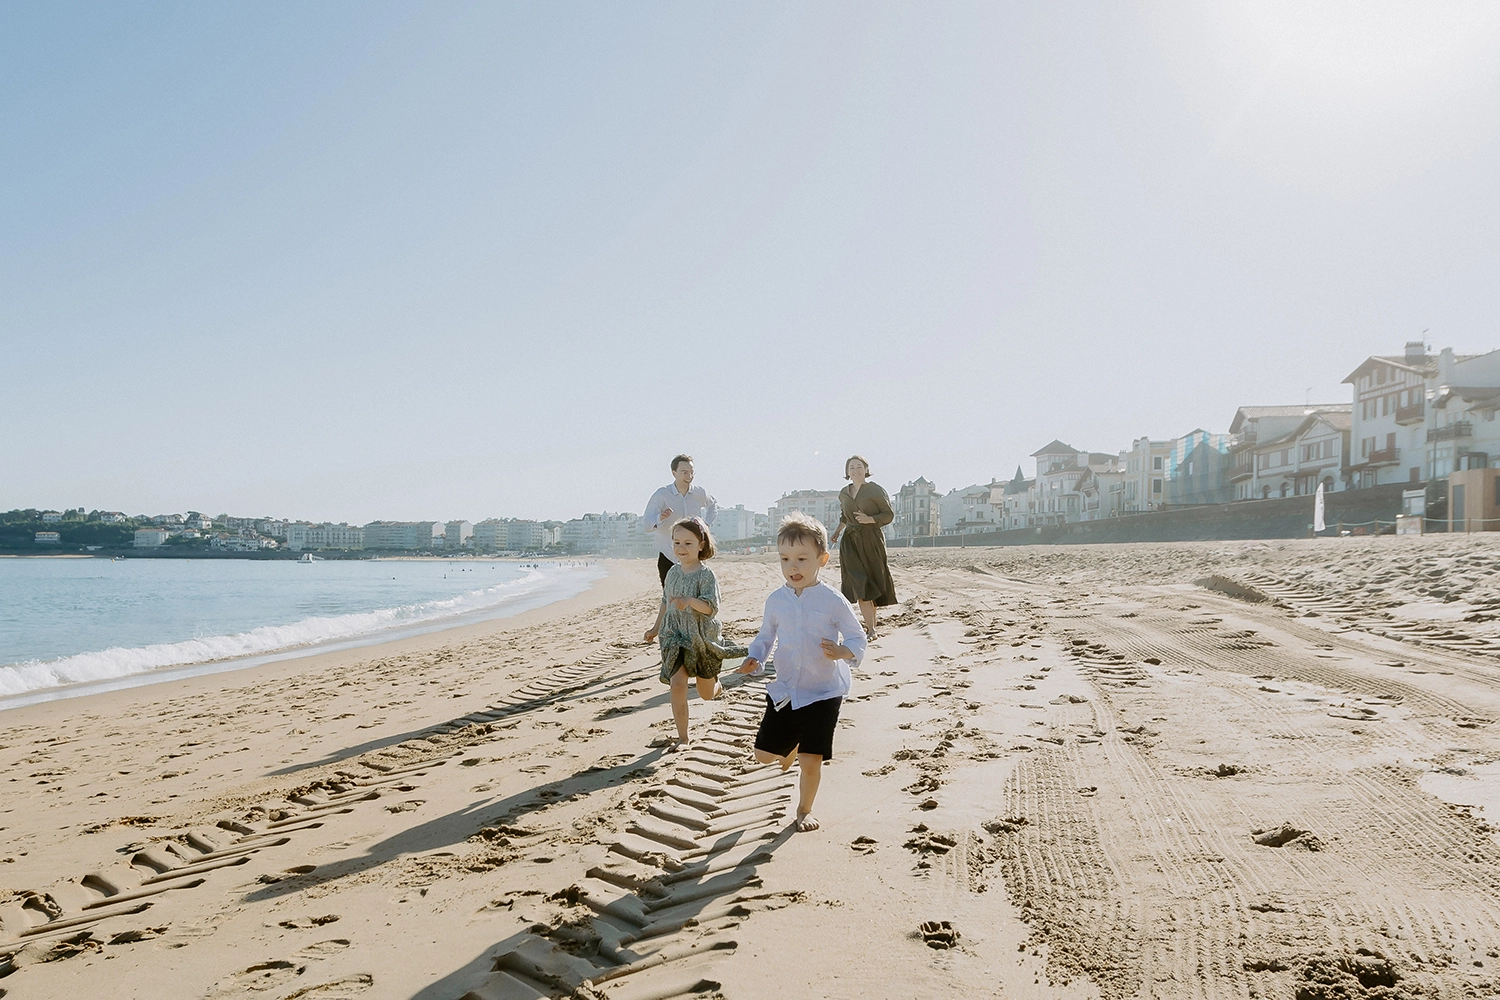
x,y
862,564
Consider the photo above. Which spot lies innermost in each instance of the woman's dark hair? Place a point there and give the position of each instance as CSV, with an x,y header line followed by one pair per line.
x,y
856,458
706,548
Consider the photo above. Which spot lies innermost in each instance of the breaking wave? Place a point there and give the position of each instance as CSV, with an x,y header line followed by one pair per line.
x,y
109,664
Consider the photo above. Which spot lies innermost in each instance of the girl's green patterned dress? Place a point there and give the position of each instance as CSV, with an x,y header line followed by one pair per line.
x,y
690,640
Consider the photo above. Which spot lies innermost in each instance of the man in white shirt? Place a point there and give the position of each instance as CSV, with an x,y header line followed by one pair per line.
x,y
671,504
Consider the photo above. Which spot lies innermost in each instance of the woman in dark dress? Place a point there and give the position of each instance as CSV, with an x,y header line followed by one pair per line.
x,y
866,509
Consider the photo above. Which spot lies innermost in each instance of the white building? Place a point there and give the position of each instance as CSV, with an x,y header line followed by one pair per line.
x,y
112,517
1060,468
1390,416
1314,452
51,517
1462,431
918,510
1014,501
622,534
970,510
150,538
1254,426
822,505
403,536
302,536
457,534
733,524
48,538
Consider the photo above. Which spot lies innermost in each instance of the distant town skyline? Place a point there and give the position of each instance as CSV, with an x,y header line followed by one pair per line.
x,y
385,262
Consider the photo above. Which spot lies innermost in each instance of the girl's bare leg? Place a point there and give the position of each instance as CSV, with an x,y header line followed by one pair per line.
x,y
867,609
811,766
679,704
709,688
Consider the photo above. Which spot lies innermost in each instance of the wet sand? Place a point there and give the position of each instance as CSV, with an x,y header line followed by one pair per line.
x,y
1202,769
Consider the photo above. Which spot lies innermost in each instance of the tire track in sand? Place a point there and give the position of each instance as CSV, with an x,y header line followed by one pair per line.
x,y
653,921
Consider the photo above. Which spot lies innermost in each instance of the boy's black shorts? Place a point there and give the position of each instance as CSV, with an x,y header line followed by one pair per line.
x,y
809,728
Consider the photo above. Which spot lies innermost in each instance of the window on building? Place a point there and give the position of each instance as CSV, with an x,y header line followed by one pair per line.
x,y
1156,487
1156,464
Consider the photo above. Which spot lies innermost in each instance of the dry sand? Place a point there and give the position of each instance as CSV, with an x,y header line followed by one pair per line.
x,y
1203,769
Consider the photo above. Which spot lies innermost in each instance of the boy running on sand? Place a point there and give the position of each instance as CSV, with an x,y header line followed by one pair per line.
x,y
688,623
816,637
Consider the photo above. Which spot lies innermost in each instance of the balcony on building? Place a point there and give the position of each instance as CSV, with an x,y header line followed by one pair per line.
x,y
1413,414
1457,429
1381,456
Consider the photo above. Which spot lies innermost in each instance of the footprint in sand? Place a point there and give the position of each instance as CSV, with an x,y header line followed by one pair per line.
x,y
939,934
339,989
322,949
864,845
256,978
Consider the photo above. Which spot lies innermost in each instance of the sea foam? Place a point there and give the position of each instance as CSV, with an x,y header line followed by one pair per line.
x,y
108,664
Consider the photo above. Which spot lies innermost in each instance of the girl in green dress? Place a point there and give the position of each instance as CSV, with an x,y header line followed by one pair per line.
x,y
865,574
687,625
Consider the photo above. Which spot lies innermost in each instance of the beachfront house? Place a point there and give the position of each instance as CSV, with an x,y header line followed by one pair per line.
x,y
1315,451
970,510
1462,431
1145,475
48,538
918,510
1060,468
1389,428
1197,469
1015,500
1101,491
1254,426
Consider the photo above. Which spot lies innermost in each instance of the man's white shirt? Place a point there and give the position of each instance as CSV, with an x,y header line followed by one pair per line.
x,y
697,503
794,627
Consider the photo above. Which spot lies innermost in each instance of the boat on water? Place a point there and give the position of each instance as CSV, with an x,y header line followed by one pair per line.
x,y
307,557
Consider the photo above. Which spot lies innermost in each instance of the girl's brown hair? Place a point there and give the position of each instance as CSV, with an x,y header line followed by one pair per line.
x,y
856,458
696,525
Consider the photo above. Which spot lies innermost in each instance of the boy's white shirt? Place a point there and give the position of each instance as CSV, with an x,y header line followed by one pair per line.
x,y
794,628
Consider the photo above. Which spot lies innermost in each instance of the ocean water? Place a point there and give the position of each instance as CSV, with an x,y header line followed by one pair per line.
x,y
75,625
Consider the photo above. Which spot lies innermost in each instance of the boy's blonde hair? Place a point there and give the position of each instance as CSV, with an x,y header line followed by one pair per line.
x,y
698,527
798,527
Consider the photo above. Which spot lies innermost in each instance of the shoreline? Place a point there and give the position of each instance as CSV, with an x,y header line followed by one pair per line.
x,y
370,644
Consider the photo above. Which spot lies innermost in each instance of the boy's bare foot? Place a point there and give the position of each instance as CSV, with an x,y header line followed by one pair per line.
x,y
807,822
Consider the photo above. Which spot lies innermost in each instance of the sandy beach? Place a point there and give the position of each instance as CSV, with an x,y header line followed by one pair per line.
x,y
1202,769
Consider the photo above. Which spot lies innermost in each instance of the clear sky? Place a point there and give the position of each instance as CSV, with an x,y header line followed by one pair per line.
x,y
359,260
